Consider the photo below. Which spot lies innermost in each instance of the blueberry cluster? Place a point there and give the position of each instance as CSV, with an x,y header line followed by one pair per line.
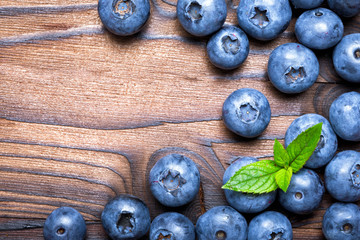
x,y
292,68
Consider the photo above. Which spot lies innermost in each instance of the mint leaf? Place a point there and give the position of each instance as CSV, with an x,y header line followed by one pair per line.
x,y
301,149
283,178
281,157
258,177
267,175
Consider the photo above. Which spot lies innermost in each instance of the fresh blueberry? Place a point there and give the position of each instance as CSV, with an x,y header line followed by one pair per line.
x,y
306,4
319,28
270,225
346,58
201,17
174,180
228,48
342,222
304,193
220,223
246,202
327,145
126,217
342,176
264,19
345,8
246,112
124,17
64,223
172,226
292,68
344,116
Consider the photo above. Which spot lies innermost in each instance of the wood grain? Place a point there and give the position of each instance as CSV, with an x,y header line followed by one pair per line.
x,y
84,115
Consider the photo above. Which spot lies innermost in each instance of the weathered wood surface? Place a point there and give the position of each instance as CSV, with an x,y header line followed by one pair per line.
x,y
84,114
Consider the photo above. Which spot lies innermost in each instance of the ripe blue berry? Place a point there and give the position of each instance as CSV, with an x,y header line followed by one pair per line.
x,y
124,17
292,68
346,58
246,112
304,193
264,19
126,217
246,202
174,180
319,28
201,17
221,222
344,116
342,176
342,221
228,48
64,223
306,4
345,8
327,145
173,226
270,225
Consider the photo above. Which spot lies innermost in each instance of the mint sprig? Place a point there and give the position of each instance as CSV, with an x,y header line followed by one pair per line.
x,y
267,175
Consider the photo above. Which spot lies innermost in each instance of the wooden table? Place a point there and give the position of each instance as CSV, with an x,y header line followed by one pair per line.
x,y
86,114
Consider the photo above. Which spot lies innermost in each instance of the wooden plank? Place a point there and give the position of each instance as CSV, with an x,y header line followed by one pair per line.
x,y
84,115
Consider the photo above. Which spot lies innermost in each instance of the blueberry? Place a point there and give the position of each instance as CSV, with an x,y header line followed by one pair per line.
x,y
64,223
264,19
327,145
306,4
126,217
344,116
304,194
346,58
342,221
319,28
201,17
292,68
124,17
174,180
172,226
246,112
246,202
270,225
228,48
345,8
342,176
220,223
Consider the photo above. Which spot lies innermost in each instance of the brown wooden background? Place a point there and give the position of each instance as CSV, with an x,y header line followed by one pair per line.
x,y
85,114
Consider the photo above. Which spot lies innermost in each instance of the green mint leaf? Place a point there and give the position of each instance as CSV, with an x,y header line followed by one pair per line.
x,y
257,177
281,157
301,149
283,178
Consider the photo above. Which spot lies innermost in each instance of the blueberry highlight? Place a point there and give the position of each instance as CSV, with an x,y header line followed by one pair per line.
x,y
174,180
270,225
342,221
124,17
304,193
172,225
346,58
201,17
220,223
319,28
292,68
126,217
64,223
246,112
344,116
264,19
